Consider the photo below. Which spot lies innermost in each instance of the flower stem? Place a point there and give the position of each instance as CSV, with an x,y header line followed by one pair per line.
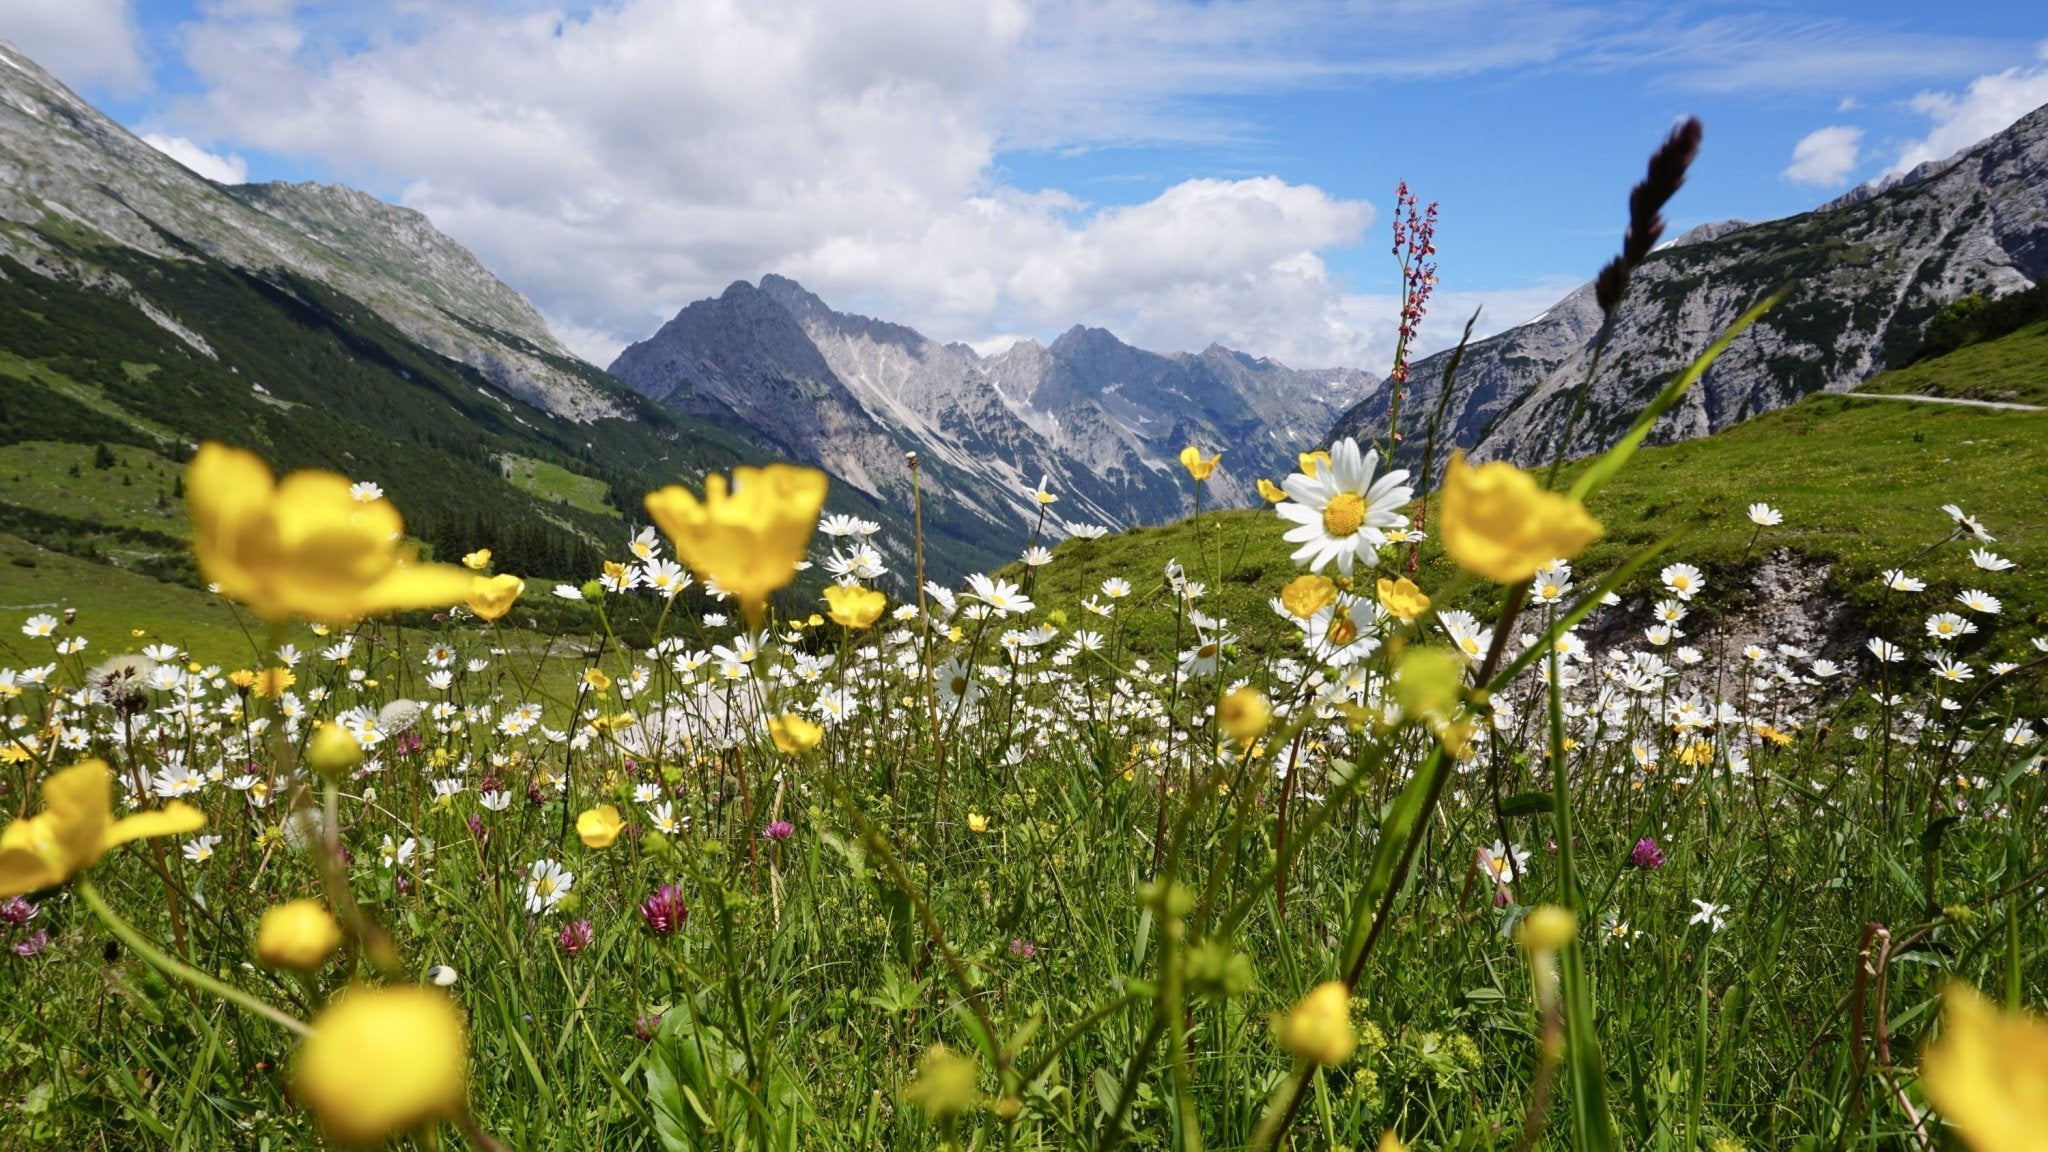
x,y
171,966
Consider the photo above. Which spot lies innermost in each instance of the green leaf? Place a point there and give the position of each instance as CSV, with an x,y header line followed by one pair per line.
x,y
1528,804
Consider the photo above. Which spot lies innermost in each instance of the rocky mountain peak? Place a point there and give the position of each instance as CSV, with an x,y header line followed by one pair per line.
x,y
61,160
1866,271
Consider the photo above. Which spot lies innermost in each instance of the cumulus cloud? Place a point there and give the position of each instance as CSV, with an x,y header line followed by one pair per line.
x,y
81,42
228,169
1825,156
620,160
618,163
1990,105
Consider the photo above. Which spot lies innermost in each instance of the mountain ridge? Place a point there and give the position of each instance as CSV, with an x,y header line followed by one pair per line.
x,y
1866,272
1100,420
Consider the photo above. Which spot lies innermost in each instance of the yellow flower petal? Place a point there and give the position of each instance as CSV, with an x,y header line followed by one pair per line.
x,y
1988,1074
1319,1028
490,597
1498,523
747,536
173,819
75,829
793,734
299,935
1200,469
305,547
382,1061
1402,599
855,607
599,827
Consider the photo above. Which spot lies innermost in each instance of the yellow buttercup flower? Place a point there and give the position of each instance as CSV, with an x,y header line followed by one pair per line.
x,y
976,822
1498,523
490,597
1243,715
299,935
273,681
947,1084
1988,1074
304,546
748,536
1402,599
855,607
76,827
333,751
1311,461
597,680
1270,492
599,827
1304,596
793,734
478,560
1548,928
1318,1029
1428,682
1200,469
382,1061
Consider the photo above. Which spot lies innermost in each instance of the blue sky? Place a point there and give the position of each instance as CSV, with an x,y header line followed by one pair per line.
x,y
990,169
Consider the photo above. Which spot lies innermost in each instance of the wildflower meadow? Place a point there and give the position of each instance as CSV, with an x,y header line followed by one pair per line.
x,y
1433,836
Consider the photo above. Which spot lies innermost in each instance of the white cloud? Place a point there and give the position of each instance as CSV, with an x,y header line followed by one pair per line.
x,y
228,169
81,42
620,162
616,166
1991,104
1825,156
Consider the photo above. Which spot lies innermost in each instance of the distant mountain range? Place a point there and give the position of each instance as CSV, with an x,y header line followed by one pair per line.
x,y
1866,270
1102,421
141,303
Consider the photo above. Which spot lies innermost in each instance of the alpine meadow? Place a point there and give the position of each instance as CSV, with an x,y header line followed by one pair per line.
x,y
1621,730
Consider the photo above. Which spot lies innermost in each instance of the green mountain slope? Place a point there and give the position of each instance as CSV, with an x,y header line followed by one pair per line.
x,y
1861,484
309,378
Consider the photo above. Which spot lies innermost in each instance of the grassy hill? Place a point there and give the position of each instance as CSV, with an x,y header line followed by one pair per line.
x,y
1861,484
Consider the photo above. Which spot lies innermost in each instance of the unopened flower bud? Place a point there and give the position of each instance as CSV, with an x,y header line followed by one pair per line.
x,y
299,935
333,752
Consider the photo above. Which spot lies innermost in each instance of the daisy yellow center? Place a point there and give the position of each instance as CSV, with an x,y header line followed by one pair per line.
x,y
1344,515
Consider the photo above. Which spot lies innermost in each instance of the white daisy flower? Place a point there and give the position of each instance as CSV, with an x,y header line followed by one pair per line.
x,y
1341,512
546,884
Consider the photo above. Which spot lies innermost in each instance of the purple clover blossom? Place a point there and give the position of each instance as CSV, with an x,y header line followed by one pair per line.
x,y
575,937
664,911
17,912
34,944
1023,949
780,830
644,1027
1646,855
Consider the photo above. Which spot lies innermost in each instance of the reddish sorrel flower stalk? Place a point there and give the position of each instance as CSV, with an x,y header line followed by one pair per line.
x,y
664,911
1414,247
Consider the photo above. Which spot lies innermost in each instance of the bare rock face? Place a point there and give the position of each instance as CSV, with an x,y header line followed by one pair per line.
x,y
1103,421
1866,272
71,181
